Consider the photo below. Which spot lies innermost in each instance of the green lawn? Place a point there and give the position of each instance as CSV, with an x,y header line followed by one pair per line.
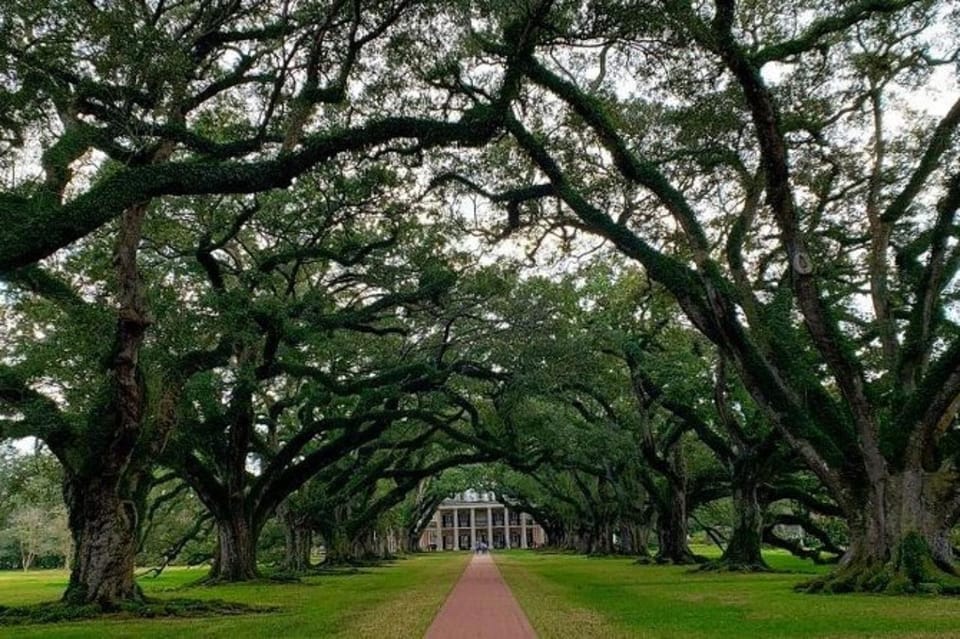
x,y
398,600
573,596
565,596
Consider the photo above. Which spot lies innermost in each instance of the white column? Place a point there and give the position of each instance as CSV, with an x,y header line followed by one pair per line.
x,y
506,527
473,527
489,527
523,530
456,530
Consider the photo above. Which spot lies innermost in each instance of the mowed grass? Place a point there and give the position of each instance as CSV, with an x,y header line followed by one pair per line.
x,y
397,600
574,596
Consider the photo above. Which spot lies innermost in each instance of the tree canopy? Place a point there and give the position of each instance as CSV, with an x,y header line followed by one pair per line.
x,y
310,260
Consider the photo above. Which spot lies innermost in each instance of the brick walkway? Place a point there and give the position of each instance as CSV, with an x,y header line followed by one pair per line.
x,y
481,606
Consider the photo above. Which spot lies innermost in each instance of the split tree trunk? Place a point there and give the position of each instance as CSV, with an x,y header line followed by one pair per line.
x,y
672,530
298,544
298,540
743,551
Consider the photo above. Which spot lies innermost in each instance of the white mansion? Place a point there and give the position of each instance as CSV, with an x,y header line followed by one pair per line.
x,y
469,518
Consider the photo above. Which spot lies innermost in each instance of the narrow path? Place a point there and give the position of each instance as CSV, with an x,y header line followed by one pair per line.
x,y
481,606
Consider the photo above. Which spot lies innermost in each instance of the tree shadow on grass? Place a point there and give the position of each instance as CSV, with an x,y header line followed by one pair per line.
x,y
275,579
55,612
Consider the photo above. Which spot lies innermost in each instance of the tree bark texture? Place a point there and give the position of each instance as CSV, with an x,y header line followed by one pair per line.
x,y
899,538
103,497
104,527
298,542
743,551
672,530
236,558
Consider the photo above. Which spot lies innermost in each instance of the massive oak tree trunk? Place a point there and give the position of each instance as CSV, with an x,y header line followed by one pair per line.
x,y
103,523
743,551
104,494
556,534
236,557
362,549
298,543
633,540
673,530
348,547
238,528
899,538
387,544
339,549
603,544
413,542
583,541
297,539
368,545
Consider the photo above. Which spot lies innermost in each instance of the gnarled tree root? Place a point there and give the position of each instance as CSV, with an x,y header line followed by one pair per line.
x,y
682,560
727,565
911,570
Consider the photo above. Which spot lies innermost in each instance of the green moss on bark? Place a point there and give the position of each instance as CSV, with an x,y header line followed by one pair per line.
x,y
911,570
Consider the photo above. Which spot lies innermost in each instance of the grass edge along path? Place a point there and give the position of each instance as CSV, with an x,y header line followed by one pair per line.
x,y
395,601
574,596
550,608
392,618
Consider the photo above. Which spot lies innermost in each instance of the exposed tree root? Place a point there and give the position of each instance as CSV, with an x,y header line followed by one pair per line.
x,y
728,565
688,559
912,570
